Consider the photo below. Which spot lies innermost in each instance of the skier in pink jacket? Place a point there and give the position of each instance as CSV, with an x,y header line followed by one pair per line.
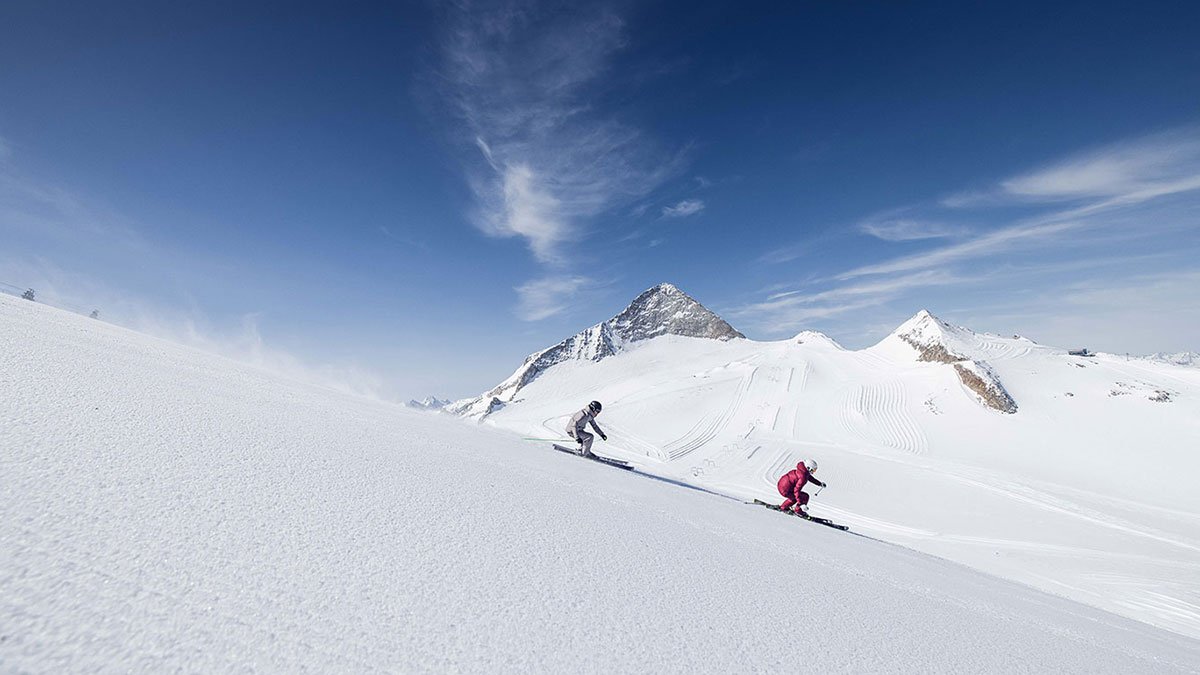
x,y
791,486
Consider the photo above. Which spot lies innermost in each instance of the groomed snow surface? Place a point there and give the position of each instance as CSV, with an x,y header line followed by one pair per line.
x,y
162,509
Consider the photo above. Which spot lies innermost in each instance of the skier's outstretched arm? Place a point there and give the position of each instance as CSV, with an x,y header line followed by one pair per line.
x,y
817,481
598,430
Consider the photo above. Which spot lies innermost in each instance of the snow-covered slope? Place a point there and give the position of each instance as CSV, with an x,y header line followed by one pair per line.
x,y
1075,475
166,510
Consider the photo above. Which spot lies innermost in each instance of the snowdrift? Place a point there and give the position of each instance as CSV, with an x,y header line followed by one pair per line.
x,y
163,509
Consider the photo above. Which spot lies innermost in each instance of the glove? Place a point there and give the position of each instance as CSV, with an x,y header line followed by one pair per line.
x,y
604,437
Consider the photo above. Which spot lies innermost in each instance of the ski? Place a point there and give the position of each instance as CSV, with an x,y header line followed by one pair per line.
x,y
596,458
820,521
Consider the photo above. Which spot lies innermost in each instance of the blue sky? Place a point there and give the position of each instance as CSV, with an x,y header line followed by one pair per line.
x,y
413,197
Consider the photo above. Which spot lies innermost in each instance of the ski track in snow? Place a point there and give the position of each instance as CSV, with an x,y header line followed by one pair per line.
x,y
779,465
706,429
878,414
999,349
805,371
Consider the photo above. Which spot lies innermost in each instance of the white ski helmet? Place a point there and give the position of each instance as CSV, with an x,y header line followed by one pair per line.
x,y
811,464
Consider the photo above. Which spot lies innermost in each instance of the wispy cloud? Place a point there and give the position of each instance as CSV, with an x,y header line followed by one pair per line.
x,y
543,298
1150,166
1138,313
402,239
1113,177
996,241
687,207
522,78
1117,174
1124,206
791,310
796,250
872,288
969,198
903,229
783,254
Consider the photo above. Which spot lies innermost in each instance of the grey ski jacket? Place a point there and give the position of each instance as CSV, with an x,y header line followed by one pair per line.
x,y
580,420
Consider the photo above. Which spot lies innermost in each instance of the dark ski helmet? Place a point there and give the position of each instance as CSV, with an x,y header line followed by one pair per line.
x,y
595,407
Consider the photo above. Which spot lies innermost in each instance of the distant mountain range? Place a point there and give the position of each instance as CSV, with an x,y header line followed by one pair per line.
x,y
666,310
428,403
1178,358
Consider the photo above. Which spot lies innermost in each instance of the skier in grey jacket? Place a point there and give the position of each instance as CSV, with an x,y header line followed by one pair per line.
x,y
576,428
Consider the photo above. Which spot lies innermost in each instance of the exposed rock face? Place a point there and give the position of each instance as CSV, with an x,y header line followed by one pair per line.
x,y
931,337
661,310
934,352
666,310
980,379
1160,396
936,341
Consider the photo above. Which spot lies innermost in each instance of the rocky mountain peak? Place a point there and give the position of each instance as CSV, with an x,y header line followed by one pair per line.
x,y
660,310
932,338
666,310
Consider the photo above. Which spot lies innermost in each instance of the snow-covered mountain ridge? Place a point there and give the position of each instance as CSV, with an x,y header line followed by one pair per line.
x,y
1178,358
661,310
1070,473
163,509
428,403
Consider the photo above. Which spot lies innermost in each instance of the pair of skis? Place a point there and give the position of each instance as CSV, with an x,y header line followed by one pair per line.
x,y
814,519
596,458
